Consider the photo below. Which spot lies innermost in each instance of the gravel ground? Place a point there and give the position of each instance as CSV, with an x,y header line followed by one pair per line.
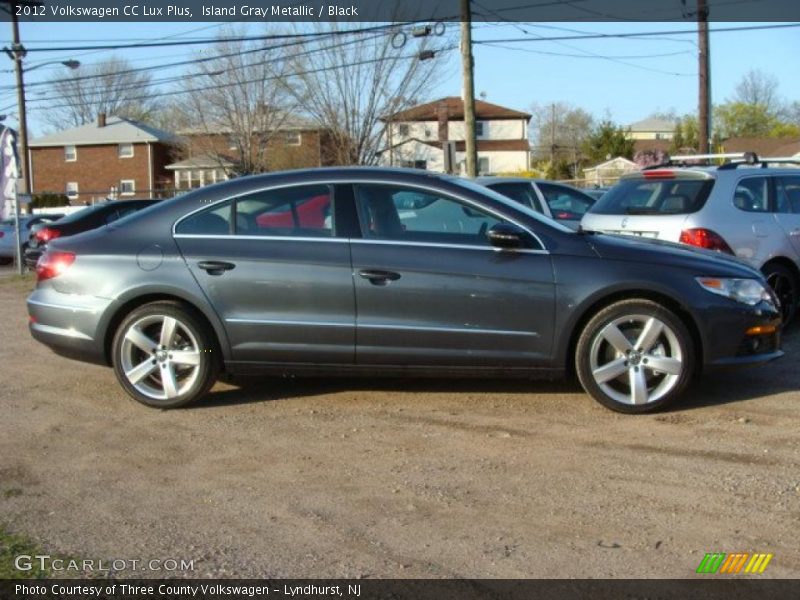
x,y
396,478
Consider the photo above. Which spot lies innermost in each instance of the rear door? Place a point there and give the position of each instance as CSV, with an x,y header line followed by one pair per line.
x,y
787,193
276,270
431,291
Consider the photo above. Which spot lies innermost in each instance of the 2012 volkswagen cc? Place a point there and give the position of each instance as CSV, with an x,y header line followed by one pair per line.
x,y
369,271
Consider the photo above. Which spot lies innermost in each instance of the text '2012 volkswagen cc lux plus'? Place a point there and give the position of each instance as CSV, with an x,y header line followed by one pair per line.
x,y
367,271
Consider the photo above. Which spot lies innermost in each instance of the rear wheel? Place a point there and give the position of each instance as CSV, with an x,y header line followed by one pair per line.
x,y
634,356
786,287
162,355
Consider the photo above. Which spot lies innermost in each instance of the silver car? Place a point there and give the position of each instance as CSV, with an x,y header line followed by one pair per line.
x,y
558,201
746,208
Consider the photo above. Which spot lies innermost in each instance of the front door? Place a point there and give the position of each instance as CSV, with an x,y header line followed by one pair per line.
x,y
787,209
277,274
430,290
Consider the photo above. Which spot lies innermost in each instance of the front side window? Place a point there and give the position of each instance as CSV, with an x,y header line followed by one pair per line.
x,y
521,192
70,153
752,195
406,214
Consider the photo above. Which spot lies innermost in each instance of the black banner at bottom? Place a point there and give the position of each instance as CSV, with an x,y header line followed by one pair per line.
x,y
397,589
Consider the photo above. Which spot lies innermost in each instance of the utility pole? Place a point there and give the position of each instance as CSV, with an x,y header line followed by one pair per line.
x,y
467,66
17,54
553,137
704,72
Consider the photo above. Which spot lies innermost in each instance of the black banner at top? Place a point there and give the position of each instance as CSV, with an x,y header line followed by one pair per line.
x,y
674,11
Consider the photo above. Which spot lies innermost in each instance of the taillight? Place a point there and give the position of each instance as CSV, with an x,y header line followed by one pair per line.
x,y
53,264
705,238
46,234
659,174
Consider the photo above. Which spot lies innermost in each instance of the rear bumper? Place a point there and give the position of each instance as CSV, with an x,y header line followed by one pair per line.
x,y
68,324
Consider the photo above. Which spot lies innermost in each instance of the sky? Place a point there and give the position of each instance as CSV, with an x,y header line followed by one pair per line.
x,y
624,79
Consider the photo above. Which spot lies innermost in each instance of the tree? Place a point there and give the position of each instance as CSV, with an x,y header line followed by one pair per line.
x,y
237,103
348,84
607,141
105,87
685,137
559,130
737,119
758,88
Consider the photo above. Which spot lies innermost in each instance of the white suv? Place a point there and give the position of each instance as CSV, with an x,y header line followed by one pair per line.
x,y
744,207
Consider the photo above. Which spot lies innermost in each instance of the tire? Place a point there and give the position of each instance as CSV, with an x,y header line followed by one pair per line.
x,y
786,286
620,375
164,339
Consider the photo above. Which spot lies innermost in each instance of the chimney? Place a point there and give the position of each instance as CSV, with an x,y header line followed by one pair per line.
x,y
443,114
101,119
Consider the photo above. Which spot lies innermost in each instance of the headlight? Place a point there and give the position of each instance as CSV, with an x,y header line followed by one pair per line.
x,y
746,291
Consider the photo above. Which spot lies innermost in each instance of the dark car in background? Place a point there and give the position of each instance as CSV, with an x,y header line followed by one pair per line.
x,y
558,201
369,271
85,219
27,223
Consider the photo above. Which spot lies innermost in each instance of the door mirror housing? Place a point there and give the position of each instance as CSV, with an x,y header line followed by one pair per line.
x,y
507,236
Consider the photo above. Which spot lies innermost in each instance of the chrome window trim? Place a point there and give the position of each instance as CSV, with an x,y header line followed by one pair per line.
x,y
446,245
275,238
368,181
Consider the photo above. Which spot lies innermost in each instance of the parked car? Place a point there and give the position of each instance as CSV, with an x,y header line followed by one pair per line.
x,y
736,209
558,201
413,274
83,220
8,233
596,192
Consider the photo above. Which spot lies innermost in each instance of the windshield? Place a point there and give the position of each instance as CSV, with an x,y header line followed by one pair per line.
x,y
654,197
484,191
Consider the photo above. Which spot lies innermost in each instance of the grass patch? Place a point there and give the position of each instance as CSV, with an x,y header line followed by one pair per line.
x,y
11,546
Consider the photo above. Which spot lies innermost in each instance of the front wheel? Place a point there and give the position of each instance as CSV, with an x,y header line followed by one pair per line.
x,y
786,287
164,356
634,356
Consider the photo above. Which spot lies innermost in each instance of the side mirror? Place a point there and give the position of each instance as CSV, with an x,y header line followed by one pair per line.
x,y
507,236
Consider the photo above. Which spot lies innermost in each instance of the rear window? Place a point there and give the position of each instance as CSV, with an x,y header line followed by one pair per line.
x,y
654,197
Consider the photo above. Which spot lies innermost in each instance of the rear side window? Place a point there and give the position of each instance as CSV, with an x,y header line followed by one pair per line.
x,y
752,195
654,197
304,211
788,189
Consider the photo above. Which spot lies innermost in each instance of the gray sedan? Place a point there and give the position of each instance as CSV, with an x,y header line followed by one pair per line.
x,y
366,271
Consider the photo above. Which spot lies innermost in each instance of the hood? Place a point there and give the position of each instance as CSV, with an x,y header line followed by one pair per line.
x,y
670,254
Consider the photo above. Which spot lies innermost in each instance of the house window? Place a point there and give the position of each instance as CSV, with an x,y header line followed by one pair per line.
x,y
127,187
292,138
72,190
483,165
70,153
402,130
481,129
125,150
421,164
232,143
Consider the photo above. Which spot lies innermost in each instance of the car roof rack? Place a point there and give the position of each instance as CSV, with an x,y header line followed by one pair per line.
x,y
705,160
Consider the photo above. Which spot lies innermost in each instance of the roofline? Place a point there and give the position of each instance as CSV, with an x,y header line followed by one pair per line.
x,y
153,140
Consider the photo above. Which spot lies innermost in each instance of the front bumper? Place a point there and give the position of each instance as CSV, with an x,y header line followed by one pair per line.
x,y
69,324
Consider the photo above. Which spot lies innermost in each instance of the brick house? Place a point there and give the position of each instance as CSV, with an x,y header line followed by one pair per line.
x,y
209,157
112,157
414,137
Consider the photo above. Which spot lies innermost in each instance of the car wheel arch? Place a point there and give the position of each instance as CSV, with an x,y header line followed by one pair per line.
x,y
783,261
595,304
135,302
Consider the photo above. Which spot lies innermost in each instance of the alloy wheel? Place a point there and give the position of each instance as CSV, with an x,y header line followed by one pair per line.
x,y
636,359
784,287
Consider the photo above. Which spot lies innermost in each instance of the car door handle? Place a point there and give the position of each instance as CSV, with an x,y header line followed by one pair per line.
x,y
379,277
215,267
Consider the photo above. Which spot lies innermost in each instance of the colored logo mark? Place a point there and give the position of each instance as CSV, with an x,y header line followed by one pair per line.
x,y
738,562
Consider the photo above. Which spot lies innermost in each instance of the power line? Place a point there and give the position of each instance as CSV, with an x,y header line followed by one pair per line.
x,y
272,77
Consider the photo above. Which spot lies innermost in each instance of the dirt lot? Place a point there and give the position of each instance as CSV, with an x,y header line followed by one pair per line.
x,y
378,478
